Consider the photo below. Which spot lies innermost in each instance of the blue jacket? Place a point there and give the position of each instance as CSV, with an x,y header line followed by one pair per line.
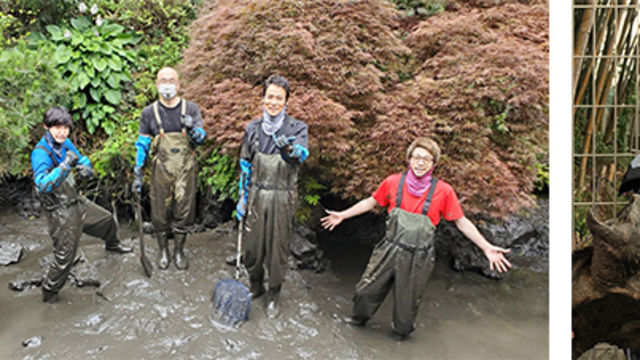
x,y
47,174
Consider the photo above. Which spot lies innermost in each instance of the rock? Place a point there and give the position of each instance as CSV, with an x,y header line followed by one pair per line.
x,y
21,285
33,341
305,250
603,351
213,211
526,235
10,253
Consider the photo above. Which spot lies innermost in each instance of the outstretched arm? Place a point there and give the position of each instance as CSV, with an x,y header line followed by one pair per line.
x,y
335,217
495,254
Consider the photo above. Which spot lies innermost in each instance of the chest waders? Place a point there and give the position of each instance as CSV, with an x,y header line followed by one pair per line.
x,y
68,216
402,261
268,224
173,189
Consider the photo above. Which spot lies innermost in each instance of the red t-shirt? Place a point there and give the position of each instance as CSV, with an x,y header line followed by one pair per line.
x,y
444,202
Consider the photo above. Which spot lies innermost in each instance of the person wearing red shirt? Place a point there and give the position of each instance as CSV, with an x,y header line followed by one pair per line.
x,y
405,257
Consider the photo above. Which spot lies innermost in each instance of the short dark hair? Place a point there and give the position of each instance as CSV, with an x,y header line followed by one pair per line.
x,y
58,115
278,81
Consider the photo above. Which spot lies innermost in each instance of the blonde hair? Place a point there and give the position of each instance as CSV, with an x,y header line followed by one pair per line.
x,y
427,144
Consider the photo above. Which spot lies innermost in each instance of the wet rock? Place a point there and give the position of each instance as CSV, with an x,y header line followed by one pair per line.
x,y
526,235
21,285
33,341
603,351
10,253
212,211
304,248
29,206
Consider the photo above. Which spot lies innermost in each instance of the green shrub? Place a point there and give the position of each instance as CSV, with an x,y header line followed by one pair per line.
x,y
421,7
218,174
97,61
29,85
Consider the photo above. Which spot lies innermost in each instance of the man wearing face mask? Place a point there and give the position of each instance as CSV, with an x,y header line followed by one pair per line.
x,y
171,127
272,150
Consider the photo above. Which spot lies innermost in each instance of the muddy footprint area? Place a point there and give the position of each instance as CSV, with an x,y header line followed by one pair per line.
x,y
130,316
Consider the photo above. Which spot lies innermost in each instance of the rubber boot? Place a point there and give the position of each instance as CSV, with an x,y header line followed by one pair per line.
x,y
163,246
273,307
49,296
257,289
181,261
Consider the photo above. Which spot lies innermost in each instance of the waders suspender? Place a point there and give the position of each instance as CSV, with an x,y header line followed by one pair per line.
x,y
427,202
156,113
55,162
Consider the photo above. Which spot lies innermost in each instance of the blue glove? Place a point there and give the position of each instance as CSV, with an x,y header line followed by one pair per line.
x,y
299,152
138,178
243,188
197,135
282,141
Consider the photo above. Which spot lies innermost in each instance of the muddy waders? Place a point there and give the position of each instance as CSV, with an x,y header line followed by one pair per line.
x,y
173,190
68,216
402,261
269,223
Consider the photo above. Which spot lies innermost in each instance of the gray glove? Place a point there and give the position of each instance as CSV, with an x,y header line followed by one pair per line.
x,y
84,171
70,160
283,142
137,181
188,122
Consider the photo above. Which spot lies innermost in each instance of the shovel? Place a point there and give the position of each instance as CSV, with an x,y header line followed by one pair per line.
x,y
232,299
146,264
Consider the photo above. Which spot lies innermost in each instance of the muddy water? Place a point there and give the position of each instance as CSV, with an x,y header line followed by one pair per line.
x,y
463,316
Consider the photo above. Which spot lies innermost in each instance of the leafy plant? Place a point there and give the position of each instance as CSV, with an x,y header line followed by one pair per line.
x,y
29,85
96,60
423,8
218,174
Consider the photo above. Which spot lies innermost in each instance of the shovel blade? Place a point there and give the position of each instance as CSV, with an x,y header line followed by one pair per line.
x,y
232,302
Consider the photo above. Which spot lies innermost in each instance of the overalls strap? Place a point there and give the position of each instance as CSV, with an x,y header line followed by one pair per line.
x,y
427,202
156,114
53,158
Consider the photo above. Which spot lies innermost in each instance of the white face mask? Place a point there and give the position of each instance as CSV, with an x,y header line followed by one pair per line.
x,y
168,91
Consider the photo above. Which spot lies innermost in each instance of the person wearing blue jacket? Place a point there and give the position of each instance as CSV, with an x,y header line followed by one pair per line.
x,y
69,214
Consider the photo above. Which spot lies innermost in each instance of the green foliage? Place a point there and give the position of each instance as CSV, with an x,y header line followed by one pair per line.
x,y
542,181
218,174
96,60
311,193
114,161
29,85
423,8
34,15
8,26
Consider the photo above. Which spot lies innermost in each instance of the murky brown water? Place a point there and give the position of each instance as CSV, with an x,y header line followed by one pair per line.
x,y
463,316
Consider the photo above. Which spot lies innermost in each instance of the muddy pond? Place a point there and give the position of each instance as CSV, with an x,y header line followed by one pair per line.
x,y
169,316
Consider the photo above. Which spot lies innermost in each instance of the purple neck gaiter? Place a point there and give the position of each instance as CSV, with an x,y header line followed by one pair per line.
x,y
418,185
